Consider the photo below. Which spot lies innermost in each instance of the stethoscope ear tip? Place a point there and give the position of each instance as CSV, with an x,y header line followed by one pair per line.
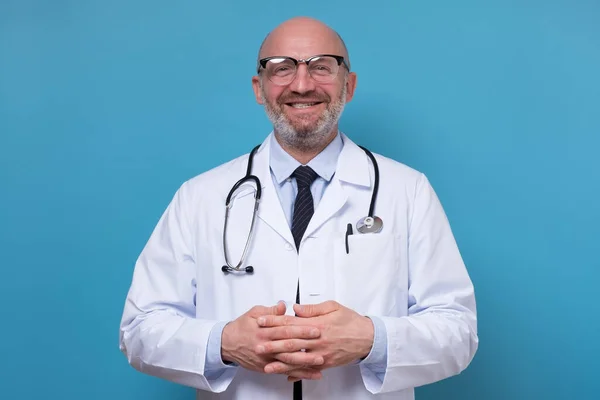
x,y
226,269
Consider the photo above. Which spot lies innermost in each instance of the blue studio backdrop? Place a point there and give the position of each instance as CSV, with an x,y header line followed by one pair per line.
x,y
106,107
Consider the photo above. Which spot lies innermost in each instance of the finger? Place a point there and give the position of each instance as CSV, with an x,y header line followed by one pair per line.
x,y
314,310
284,346
299,374
289,332
282,368
301,358
278,320
277,367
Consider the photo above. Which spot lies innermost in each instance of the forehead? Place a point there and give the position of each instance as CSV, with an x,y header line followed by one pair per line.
x,y
301,43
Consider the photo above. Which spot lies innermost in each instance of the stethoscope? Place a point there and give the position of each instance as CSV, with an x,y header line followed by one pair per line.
x,y
369,224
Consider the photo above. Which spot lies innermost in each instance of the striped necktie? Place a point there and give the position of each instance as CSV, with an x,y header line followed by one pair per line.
x,y
304,206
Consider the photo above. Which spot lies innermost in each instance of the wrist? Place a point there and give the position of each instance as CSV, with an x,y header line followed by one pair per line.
x,y
226,355
368,336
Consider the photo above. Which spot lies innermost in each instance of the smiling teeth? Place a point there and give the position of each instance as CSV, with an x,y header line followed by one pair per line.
x,y
303,105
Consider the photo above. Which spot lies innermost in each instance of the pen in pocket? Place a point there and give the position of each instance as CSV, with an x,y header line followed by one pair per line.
x,y
348,233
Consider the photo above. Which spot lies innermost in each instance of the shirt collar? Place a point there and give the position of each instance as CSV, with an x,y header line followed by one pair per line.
x,y
324,164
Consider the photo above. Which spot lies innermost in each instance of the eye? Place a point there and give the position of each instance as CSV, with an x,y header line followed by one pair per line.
x,y
321,69
280,67
282,70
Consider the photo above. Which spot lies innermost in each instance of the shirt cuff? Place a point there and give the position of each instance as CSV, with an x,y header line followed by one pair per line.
x,y
214,365
376,361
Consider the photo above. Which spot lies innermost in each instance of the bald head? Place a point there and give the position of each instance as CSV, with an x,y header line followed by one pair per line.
x,y
302,37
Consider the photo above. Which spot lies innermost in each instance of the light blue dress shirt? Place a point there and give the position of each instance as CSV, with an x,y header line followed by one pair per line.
x,y
282,166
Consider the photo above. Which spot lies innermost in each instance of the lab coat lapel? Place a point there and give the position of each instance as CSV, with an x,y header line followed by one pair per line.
x,y
270,210
352,168
333,200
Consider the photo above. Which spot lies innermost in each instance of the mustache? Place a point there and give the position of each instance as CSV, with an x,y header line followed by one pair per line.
x,y
306,98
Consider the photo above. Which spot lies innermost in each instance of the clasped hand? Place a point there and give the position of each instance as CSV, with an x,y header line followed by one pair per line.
x,y
320,336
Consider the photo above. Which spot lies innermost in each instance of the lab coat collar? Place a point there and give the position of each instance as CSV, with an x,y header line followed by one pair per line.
x,y
353,164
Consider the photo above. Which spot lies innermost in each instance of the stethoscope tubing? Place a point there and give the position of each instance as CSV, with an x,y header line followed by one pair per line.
x,y
229,204
376,184
257,196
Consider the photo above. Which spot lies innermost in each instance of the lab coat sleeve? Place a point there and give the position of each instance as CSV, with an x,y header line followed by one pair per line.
x,y
438,338
159,332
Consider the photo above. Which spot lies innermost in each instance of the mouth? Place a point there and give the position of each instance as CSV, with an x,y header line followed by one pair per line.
x,y
303,105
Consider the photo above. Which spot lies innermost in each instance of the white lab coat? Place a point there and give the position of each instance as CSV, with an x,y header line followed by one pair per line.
x,y
411,275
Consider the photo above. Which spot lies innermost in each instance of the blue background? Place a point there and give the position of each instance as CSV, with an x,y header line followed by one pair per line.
x,y
106,107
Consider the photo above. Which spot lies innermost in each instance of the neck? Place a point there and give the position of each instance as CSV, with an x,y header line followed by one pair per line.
x,y
303,156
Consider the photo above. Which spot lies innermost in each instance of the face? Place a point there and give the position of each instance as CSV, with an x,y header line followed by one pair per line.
x,y
304,113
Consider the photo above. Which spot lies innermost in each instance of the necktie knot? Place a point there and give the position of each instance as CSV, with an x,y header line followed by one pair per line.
x,y
305,176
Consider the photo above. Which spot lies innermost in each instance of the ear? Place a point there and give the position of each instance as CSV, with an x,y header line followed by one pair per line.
x,y
350,86
256,88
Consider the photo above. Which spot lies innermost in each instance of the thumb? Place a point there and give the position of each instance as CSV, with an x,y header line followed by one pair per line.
x,y
258,311
278,309
314,310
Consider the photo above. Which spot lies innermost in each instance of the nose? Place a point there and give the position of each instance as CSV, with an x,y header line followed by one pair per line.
x,y
302,83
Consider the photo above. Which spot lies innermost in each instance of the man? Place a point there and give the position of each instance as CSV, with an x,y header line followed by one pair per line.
x,y
382,312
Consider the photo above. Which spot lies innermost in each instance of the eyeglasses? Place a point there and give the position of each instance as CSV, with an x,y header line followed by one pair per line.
x,y
323,68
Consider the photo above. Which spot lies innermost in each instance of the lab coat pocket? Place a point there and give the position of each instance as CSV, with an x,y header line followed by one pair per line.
x,y
366,278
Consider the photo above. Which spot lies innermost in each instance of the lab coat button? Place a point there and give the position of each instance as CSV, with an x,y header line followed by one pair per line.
x,y
288,246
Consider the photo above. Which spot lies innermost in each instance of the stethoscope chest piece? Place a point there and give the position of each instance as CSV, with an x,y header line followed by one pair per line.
x,y
369,225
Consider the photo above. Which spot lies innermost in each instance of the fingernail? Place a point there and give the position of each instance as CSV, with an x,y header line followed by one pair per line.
x,y
268,369
261,321
314,333
319,361
260,349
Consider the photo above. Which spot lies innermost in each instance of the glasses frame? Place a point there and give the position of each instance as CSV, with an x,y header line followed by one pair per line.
x,y
263,62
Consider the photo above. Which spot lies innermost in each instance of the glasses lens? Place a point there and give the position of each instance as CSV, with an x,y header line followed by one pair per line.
x,y
280,70
323,69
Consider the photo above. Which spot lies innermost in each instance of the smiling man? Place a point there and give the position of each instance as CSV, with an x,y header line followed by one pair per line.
x,y
351,285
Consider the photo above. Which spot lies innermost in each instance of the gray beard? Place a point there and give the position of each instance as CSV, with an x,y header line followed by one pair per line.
x,y
306,139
